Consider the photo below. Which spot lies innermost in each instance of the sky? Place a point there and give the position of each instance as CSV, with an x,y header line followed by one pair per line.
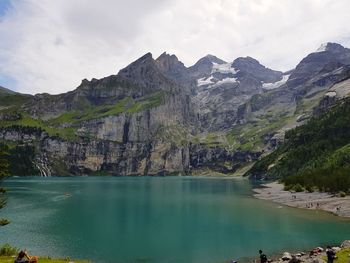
x,y
51,45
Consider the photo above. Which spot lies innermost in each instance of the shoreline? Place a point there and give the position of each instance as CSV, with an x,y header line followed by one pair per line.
x,y
274,192
316,254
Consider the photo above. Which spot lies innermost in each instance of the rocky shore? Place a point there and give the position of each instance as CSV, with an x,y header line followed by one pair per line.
x,y
324,201
316,255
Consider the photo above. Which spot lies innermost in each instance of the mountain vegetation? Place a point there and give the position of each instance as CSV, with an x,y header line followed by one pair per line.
x,y
4,172
314,155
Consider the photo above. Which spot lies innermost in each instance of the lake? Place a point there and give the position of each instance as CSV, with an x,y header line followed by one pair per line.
x,y
157,220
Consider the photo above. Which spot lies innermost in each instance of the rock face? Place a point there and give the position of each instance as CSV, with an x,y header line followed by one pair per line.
x,y
175,70
328,57
252,67
222,87
345,244
118,123
158,117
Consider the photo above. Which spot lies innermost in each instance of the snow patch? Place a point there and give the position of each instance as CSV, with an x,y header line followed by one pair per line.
x,y
275,85
322,48
226,81
331,94
223,68
205,81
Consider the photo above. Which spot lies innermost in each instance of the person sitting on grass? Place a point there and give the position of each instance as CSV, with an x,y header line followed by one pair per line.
x,y
23,257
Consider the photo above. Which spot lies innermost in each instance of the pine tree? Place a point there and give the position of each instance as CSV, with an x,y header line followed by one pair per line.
x,y
4,171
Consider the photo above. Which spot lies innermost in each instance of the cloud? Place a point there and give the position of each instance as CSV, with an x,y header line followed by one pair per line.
x,y
49,46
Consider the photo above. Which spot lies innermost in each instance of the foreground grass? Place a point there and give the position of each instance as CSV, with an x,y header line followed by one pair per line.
x,y
43,260
343,256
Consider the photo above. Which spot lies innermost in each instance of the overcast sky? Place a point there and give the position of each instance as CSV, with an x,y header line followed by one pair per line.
x,y
51,45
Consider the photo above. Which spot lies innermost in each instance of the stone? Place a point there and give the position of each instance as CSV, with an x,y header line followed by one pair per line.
x,y
345,244
286,256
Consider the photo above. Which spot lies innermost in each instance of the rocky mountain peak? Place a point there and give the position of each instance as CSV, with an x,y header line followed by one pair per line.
x,y
212,59
328,55
204,66
138,66
251,66
330,47
174,69
140,70
245,61
147,74
167,62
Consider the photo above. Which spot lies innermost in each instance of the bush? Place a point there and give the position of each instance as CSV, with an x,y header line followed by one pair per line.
x,y
288,187
342,194
7,250
298,188
310,189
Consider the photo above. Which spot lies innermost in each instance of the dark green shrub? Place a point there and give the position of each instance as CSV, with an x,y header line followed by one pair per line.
x,y
342,194
309,188
298,188
7,250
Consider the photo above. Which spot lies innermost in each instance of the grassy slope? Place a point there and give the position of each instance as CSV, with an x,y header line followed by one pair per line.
x,y
343,256
5,91
266,119
271,114
315,154
12,104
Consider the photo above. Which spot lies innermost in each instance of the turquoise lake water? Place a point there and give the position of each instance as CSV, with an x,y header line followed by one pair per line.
x,y
157,220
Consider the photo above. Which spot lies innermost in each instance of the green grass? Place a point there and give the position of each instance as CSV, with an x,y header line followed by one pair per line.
x,y
249,136
43,260
67,133
306,105
128,105
343,256
13,100
210,139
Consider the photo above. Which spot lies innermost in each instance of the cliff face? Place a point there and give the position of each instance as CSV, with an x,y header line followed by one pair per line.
x,y
114,125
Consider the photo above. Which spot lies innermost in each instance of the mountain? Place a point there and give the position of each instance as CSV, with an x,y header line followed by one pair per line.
x,y
223,87
265,117
252,67
204,66
328,56
5,91
158,117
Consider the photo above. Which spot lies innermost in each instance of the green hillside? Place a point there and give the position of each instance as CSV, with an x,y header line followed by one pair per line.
x,y
316,154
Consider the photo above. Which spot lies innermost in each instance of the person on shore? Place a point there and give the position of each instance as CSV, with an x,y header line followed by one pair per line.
x,y
330,254
23,257
263,257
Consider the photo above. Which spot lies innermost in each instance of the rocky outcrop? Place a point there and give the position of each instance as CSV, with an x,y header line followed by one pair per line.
x,y
219,159
345,244
175,70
